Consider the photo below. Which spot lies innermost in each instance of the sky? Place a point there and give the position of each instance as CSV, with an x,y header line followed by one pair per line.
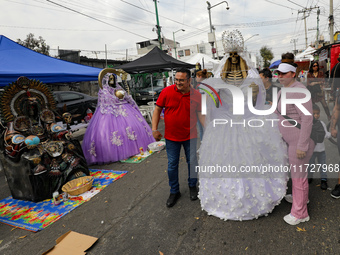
x,y
90,25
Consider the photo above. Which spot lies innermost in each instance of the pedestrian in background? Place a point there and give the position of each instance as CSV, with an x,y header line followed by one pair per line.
x,y
266,76
316,84
319,154
182,105
300,145
334,122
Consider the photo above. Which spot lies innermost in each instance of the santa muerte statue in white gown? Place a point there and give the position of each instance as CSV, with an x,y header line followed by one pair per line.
x,y
243,158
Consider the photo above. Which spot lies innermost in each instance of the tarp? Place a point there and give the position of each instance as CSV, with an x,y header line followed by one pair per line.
x,y
17,60
206,61
275,64
154,61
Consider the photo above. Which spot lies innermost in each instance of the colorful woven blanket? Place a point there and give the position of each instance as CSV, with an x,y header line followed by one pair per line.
x,y
36,216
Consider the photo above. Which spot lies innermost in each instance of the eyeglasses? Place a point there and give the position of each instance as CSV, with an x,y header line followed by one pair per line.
x,y
181,80
315,65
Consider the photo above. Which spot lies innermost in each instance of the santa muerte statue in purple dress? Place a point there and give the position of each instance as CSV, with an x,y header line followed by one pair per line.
x,y
117,129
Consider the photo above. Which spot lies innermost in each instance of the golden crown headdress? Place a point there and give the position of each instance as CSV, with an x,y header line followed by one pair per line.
x,y
233,41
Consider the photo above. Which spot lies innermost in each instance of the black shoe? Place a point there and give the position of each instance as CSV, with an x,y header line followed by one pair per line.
x,y
193,193
173,199
310,180
323,185
336,191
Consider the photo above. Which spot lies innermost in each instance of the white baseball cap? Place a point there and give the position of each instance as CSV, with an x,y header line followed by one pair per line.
x,y
285,68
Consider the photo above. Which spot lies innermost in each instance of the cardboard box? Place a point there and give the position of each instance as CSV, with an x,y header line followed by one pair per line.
x,y
72,243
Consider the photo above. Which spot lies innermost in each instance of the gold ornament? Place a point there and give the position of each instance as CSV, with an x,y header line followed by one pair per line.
x,y
120,94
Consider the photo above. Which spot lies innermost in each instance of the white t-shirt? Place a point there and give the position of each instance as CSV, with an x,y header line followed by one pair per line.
x,y
321,146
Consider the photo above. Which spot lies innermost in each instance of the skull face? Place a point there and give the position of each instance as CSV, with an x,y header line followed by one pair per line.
x,y
112,81
67,117
234,57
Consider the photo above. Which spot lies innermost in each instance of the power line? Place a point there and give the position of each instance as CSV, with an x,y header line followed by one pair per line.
x,y
96,19
280,5
126,16
259,24
295,3
158,15
34,5
64,29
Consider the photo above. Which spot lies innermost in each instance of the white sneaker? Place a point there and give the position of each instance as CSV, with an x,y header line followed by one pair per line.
x,y
289,198
291,220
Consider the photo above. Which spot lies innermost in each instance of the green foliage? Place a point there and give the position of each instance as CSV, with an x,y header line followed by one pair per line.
x,y
267,55
38,45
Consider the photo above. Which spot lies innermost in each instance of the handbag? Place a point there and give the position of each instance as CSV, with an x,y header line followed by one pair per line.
x,y
318,132
316,89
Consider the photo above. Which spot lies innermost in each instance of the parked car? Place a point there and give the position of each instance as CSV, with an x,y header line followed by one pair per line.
x,y
76,103
147,94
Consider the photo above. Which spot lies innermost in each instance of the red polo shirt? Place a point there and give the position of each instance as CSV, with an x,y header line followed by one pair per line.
x,y
180,115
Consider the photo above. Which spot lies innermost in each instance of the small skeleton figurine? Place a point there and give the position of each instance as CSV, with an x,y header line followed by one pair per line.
x,y
67,117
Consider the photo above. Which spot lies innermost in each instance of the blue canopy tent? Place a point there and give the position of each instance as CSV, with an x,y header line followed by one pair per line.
x,y
17,60
275,64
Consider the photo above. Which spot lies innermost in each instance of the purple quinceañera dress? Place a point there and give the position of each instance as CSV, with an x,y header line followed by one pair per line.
x,y
117,129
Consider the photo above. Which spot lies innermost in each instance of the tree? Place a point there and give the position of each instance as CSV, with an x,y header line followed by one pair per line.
x,y
267,55
38,45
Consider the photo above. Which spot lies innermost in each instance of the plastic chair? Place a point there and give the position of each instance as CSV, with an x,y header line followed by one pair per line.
x,y
146,113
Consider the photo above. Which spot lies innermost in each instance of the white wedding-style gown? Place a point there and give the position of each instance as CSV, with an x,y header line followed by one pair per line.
x,y
241,195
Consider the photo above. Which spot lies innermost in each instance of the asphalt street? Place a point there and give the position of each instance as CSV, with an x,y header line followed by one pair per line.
x,y
130,217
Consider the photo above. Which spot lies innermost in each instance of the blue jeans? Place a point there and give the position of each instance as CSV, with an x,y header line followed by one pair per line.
x,y
321,157
200,129
173,150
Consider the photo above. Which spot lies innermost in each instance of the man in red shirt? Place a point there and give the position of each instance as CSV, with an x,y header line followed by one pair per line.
x,y
182,106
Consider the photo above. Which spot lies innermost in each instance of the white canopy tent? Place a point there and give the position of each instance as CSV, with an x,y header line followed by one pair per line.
x,y
306,54
205,61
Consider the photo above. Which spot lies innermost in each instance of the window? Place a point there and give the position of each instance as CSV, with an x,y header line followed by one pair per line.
x,y
202,49
187,52
180,53
70,97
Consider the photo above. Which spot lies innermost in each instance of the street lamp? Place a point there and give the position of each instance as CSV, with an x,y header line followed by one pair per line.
x,y
173,33
210,36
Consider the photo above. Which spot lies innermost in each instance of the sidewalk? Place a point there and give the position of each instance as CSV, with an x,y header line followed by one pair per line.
x,y
130,217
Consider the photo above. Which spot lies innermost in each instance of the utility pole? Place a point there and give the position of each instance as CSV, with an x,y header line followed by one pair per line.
x,y
105,56
211,40
317,29
158,26
331,22
305,17
211,35
294,41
